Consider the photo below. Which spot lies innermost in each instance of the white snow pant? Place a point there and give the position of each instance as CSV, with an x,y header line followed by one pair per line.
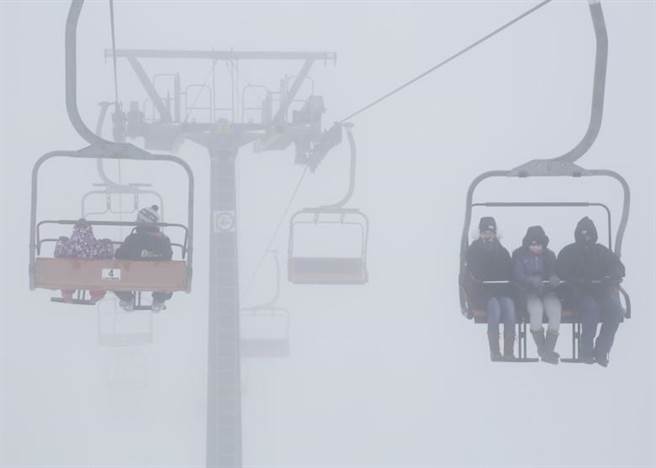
x,y
548,304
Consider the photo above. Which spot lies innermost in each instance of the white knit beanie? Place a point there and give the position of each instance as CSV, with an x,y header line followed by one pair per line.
x,y
148,215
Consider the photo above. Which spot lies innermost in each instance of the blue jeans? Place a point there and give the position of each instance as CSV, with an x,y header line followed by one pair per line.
x,y
605,308
501,309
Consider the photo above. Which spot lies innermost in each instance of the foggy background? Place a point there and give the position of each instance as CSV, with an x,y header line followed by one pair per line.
x,y
383,375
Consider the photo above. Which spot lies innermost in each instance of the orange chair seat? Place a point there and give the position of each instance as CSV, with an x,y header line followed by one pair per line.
x,y
317,270
113,275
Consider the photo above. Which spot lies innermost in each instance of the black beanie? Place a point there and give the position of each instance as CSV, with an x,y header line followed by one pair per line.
x,y
487,223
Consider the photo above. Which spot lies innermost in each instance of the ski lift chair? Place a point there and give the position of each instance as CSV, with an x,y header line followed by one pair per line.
x,y
541,168
265,327
325,269
329,270
108,274
265,331
562,166
120,329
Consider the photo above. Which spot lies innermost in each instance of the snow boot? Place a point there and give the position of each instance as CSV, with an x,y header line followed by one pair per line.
x,y
540,343
550,355
493,340
67,295
601,358
127,305
508,346
158,306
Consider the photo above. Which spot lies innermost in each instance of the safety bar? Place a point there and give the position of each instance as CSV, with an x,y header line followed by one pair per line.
x,y
53,240
550,204
68,222
109,191
329,210
622,291
560,281
363,224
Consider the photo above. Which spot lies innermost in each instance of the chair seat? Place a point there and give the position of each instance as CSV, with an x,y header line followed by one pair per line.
x,y
113,275
318,270
569,316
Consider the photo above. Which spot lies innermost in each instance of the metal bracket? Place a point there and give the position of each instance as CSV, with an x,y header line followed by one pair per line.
x,y
548,168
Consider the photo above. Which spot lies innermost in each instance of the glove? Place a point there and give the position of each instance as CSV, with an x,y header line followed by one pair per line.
x,y
536,284
535,281
581,282
554,281
610,282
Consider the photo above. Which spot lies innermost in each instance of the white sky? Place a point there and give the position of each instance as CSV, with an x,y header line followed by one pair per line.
x,y
384,375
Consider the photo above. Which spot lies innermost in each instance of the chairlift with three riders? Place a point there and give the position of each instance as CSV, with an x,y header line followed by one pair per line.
x,y
563,166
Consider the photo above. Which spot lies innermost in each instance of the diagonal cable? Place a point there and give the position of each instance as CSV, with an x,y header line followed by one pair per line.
x,y
276,231
445,61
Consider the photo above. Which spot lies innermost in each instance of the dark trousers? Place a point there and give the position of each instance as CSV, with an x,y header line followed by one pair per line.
x,y
605,308
157,296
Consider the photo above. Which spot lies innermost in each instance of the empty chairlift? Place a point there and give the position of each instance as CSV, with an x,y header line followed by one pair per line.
x,y
265,327
108,192
347,268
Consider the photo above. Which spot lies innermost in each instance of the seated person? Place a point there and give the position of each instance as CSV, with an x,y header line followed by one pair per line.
x,y
145,242
534,263
593,274
83,244
488,260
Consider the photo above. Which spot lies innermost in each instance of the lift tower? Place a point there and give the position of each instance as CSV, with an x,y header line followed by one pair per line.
x,y
223,140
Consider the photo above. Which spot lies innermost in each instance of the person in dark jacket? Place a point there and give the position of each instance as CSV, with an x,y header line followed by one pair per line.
x,y
534,273
593,273
488,260
145,242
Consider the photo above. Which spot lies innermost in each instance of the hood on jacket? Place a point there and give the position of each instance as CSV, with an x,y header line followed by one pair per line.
x,y
487,223
585,228
535,234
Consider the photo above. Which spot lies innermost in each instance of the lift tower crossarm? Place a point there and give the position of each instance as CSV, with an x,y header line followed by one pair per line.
x,y
222,54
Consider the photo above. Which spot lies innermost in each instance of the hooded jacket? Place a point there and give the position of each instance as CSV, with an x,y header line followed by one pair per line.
x,y
528,266
83,244
585,261
145,243
487,261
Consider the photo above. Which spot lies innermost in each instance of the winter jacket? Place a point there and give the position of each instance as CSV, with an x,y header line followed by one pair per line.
x,y
487,262
528,267
83,244
145,243
529,270
581,263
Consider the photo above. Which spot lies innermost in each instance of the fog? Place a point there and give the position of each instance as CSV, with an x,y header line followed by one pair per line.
x,y
387,374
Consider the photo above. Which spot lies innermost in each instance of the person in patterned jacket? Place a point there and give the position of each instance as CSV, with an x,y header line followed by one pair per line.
x,y
83,244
